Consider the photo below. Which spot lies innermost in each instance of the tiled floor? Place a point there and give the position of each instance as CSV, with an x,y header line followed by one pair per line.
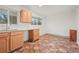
x,y
50,44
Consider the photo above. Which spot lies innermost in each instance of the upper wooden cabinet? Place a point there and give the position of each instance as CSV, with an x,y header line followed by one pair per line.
x,y
25,16
29,16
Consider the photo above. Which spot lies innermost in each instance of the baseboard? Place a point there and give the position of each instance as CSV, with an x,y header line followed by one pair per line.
x,y
55,35
15,50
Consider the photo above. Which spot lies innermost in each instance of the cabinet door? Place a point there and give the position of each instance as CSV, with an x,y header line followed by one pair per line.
x,y
24,15
4,44
30,32
36,34
73,35
29,17
33,35
16,41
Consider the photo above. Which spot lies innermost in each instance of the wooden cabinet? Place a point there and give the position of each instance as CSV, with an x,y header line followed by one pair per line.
x,y
33,35
4,42
25,16
29,17
10,41
16,40
73,35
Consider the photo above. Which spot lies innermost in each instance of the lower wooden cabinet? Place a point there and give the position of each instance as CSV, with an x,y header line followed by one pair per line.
x,y
16,40
4,42
10,41
33,35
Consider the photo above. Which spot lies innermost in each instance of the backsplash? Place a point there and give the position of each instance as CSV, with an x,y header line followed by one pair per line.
x,y
23,26
3,27
18,27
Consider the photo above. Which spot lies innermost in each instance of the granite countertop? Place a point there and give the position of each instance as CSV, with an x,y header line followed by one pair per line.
x,y
11,30
15,30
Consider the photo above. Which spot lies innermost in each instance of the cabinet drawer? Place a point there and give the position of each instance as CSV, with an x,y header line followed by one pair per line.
x,y
36,32
4,34
15,33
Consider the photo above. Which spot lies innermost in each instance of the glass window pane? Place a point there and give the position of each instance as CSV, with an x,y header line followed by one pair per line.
x,y
13,17
3,16
36,21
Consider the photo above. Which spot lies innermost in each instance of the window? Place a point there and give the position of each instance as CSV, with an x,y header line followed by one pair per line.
x,y
3,16
36,21
13,17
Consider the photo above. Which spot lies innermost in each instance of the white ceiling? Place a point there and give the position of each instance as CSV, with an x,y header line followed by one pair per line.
x,y
46,10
